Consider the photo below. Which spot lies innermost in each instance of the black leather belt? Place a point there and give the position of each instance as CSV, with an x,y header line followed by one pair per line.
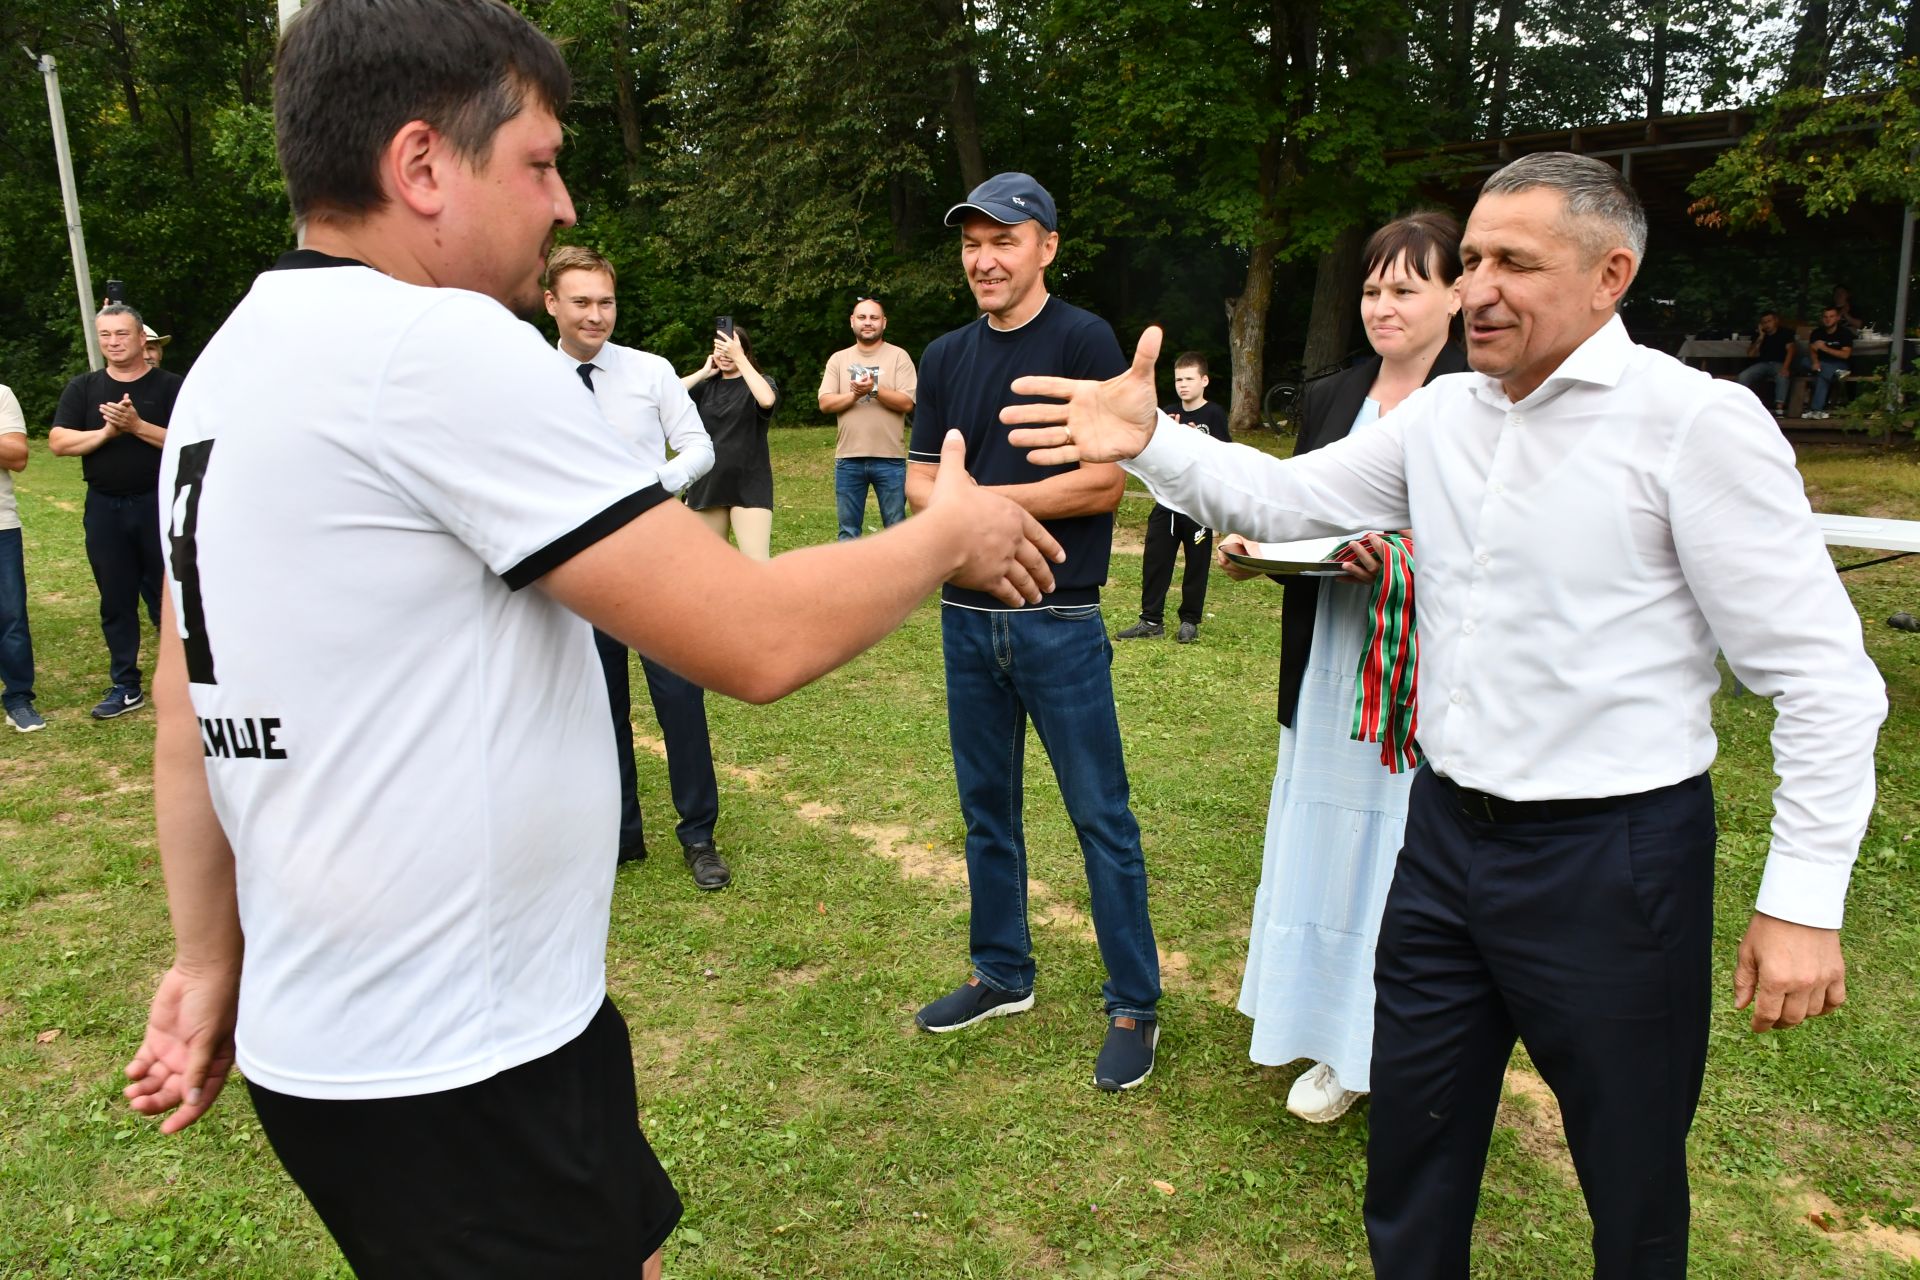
x,y
1482,807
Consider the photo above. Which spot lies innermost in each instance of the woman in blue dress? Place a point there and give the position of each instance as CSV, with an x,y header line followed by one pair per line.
x,y
1335,822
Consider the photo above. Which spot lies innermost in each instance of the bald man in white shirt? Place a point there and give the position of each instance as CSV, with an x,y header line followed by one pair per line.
x,y
1592,520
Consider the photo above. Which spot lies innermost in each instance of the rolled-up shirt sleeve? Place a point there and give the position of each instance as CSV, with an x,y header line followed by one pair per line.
x,y
1757,565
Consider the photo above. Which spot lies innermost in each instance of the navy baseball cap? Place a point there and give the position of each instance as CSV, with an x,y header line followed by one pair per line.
x,y
1009,198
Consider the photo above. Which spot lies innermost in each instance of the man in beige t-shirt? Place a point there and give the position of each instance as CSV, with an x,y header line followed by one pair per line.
x,y
869,386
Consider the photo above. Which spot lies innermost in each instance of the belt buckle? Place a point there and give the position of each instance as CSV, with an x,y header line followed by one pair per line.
x,y
1486,806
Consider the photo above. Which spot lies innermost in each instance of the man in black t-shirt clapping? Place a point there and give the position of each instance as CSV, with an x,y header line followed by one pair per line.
x,y
115,421
1049,661
1772,354
1168,529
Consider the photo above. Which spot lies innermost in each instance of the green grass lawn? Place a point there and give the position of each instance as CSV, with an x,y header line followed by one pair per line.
x,y
811,1131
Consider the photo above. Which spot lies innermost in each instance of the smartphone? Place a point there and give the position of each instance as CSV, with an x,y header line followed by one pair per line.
x,y
116,292
723,324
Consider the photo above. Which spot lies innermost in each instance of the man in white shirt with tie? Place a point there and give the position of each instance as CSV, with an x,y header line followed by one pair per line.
x,y
1593,520
643,400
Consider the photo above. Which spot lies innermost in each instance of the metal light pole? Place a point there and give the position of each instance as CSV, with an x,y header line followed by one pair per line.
x,y
76,238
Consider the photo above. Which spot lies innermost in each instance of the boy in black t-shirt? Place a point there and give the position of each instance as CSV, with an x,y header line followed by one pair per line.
x,y
115,421
1167,528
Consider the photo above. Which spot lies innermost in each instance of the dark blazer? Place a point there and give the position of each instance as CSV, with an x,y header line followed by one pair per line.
x,y
1327,409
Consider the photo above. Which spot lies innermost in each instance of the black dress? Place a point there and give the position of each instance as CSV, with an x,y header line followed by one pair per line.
x,y
742,474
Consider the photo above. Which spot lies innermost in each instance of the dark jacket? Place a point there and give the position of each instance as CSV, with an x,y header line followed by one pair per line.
x,y
1328,408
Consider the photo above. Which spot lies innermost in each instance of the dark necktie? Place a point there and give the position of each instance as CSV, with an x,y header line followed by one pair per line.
x,y
586,375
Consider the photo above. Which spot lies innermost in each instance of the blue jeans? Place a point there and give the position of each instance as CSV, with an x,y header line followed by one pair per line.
x,y
1829,372
851,476
1055,666
16,645
1755,376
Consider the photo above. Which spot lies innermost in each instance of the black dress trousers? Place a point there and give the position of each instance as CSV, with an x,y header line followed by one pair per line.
x,y
681,708
1588,936
1167,530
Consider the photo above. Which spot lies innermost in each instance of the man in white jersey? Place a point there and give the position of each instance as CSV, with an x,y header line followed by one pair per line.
x,y
643,401
382,754
1594,521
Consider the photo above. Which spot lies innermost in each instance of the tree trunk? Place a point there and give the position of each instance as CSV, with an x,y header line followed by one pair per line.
x,y
1247,340
1657,63
1910,32
625,109
962,116
1502,68
1461,61
1807,67
963,123
1335,305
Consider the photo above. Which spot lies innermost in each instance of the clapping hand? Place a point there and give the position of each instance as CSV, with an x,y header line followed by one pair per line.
x,y
1096,421
120,415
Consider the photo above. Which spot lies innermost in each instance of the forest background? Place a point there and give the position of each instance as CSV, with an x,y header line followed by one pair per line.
x,y
1217,162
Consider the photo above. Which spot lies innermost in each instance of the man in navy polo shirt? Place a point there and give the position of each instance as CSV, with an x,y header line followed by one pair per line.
x,y
1049,661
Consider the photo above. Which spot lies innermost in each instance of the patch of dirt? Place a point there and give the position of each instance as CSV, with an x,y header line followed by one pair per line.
x,y
1817,1213
1536,1118
1129,541
752,778
812,810
1055,913
917,859
800,975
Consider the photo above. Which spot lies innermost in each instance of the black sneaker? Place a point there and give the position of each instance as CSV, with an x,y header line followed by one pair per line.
x,y
1126,1058
970,1002
1141,630
709,872
119,700
1188,633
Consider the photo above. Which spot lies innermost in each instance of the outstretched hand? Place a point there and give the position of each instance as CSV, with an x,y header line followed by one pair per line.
x,y
1788,972
183,1062
1006,552
1097,421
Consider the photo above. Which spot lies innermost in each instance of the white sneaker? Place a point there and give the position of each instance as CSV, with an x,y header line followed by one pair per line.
x,y
1317,1096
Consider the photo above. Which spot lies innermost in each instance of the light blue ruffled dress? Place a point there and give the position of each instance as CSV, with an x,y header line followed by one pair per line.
x,y
1334,829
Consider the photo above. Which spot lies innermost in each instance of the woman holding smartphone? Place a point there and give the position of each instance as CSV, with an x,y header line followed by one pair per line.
x,y
1336,820
736,407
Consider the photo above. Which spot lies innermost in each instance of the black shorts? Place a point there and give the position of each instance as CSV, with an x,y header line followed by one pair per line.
x,y
541,1170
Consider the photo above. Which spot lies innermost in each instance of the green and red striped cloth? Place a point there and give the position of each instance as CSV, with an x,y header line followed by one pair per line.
x,y
1386,705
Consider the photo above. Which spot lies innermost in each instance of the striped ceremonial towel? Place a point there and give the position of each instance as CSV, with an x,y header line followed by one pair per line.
x,y
1386,706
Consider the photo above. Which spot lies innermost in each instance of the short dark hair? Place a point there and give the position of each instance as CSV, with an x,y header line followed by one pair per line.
x,y
120,309
1428,241
1191,360
1765,314
350,74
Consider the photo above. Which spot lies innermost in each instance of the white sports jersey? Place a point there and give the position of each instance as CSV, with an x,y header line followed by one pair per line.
x,y
411,757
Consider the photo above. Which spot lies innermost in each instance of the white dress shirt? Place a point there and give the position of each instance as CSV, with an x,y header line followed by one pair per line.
x,y
641,397
1581,555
